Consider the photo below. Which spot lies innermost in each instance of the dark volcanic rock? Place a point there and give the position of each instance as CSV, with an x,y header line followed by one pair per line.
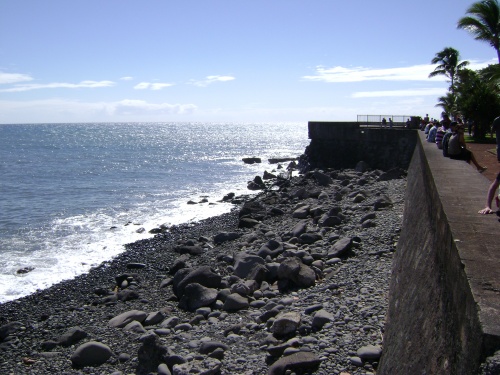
x,y
252,160
331,278
196,296
300,363
202,275
91,353
72,336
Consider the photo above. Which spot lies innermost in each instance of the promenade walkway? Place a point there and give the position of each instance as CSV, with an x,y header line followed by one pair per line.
x,y
486,156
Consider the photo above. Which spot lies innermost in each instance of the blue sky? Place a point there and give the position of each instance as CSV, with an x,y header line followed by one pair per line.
x,y
225,60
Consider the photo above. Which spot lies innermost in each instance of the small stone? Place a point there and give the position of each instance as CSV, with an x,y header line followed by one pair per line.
x,y
321,318
286,323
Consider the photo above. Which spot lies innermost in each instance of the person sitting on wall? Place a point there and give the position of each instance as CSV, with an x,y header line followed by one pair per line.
x,y
457,149
427,128
489,198
440,132
431,136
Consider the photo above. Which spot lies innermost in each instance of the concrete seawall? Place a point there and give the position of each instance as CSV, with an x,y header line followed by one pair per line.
x,y
343,144
444,303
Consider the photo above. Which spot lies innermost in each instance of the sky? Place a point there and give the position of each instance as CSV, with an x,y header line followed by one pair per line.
x,y
67,61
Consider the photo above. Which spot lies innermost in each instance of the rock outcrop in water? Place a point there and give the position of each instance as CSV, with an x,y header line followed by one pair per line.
x,y
294,280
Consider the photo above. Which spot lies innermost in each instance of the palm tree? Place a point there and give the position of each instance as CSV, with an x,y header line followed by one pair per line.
x,y
483,23
449,65
448,103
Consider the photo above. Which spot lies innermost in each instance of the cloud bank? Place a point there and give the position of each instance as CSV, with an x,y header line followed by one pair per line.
x,y
36,86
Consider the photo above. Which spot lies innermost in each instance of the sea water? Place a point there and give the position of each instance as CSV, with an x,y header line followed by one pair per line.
x,y
72,195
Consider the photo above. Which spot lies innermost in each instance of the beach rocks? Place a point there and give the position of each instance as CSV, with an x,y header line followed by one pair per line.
x,y
235,302
72,336
286,324
196,296
252,160
296,272
226,236
91,354
203,276
125,318
301,287
300,361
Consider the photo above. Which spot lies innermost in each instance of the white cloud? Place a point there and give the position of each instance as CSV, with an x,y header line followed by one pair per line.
x,y
62,110
211,79
126,78
435,91
36,86
360,74
10,78
152,86
130,106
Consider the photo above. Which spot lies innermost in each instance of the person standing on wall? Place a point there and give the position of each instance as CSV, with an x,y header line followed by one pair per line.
x,y
489,197
496,128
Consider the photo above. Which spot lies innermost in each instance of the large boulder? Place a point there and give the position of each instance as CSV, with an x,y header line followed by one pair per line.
x,y
294,270
252,160
226,236
369,352
322,179
152,354
9,329
91,353
300,362
202,275
235,302
196,296
299,228
340,247
245,263
125,318
72,336
271,248
286,323
322,317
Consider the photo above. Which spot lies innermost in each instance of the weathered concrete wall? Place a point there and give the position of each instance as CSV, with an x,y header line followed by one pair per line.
x,y
444,313
444,303
344,144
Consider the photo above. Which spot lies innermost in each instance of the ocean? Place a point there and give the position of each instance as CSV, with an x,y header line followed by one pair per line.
x,y
72,195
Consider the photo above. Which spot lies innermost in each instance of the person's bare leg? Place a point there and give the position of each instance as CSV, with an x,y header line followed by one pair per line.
x,y
474,161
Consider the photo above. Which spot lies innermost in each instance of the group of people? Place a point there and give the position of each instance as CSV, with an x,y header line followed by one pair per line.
x,y
449,136
384,123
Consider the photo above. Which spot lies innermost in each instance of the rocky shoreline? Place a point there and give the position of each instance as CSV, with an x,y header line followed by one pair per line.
x,y
293,281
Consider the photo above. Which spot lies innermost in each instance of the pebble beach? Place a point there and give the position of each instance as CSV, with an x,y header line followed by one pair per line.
x,y
293,281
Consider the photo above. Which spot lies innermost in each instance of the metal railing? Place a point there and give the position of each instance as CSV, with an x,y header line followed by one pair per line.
x,y
398,120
